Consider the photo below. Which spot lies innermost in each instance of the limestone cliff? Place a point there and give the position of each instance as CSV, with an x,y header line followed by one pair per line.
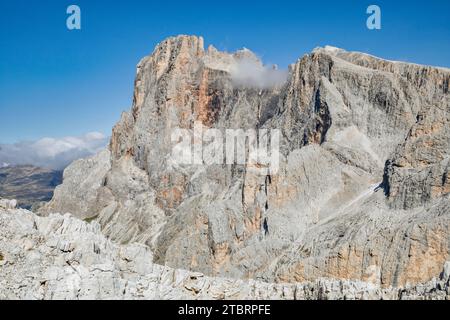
x,y
29,185
362,191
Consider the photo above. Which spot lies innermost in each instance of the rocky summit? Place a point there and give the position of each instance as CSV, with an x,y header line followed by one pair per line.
x,y
359,205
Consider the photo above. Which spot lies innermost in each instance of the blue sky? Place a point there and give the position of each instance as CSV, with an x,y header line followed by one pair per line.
x,y
55,82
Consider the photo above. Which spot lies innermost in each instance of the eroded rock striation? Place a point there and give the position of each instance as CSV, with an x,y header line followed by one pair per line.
x,y
362,190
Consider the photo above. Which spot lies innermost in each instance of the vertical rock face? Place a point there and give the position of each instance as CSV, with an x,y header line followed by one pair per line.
x,y
29,185
362,190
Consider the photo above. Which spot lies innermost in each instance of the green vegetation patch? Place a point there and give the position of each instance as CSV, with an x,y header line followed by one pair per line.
x,y
89,220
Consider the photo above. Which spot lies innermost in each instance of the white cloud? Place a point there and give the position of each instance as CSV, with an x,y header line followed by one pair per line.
x,y
55,153
249,71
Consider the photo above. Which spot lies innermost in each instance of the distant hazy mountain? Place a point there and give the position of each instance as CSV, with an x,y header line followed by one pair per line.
x,y
29,185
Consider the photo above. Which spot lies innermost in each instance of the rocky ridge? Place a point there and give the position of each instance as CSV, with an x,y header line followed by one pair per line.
x,y
66,258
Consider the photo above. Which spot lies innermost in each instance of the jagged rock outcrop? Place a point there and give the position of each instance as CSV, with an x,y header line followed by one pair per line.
x,y
419,170
362,190
29,185
62,257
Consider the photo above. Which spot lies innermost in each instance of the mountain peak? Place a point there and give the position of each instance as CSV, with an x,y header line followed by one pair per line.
x,y
349,121
328,49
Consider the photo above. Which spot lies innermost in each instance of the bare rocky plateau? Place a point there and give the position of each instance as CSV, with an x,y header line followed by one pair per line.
x,y
359,208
